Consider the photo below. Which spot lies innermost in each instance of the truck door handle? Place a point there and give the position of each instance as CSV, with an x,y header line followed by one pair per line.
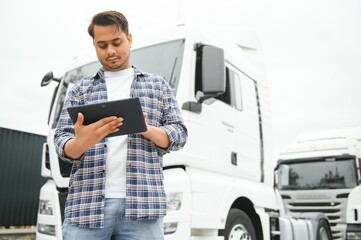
x,y
227,124
234,158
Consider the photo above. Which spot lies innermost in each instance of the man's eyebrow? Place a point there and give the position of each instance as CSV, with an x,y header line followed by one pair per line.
x,y
115,39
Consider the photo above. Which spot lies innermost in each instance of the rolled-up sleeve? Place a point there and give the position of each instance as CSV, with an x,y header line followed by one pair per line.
x,y
173,122
65,130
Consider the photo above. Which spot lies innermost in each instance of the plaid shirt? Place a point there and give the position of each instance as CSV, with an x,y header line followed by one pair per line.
x,y
145,193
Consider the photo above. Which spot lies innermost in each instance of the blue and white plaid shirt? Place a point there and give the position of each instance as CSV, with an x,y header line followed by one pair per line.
x,y
145,195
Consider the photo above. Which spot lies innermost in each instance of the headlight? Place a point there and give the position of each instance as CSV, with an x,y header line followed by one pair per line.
x,y
353,236
353,232
45,207
170,228
46,229
174,201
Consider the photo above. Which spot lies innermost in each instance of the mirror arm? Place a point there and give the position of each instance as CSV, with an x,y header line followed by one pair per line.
x,y
195,107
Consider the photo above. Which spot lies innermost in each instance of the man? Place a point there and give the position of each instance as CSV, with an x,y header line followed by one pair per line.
x,y
116,183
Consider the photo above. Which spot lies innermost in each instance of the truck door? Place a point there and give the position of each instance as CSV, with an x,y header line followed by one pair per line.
x,y
212,131
248,142
211,119
220,115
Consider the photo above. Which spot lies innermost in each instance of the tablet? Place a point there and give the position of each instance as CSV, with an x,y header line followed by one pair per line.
x,y
129,109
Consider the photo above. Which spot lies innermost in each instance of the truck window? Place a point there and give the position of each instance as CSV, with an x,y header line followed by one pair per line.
x,y
322,173
164,59
70,78
233,93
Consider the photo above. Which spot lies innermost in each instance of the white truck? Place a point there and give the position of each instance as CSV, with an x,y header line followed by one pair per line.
x,y
220,186
320,171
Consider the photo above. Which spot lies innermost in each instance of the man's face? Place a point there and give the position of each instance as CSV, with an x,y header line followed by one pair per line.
x,y
112,47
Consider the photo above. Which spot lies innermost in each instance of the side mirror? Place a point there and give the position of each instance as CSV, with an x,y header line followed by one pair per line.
x,y
210,75
213,72
48,78
275,175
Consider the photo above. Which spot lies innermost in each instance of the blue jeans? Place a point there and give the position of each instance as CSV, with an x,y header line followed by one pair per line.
x,y
115,224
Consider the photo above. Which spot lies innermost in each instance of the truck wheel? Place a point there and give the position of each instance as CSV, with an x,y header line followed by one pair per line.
x,y
323,230
239,226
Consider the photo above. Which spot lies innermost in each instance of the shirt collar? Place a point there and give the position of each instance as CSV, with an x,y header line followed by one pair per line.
x,y
100,73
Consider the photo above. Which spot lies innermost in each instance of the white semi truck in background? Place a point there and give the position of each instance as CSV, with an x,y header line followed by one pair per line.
x,y
220,186
320,171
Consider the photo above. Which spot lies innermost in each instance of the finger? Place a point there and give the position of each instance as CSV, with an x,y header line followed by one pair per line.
x,y
115,130
110,126
80,119
105,121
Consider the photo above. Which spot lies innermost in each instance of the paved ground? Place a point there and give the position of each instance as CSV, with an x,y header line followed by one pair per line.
x,y
18,237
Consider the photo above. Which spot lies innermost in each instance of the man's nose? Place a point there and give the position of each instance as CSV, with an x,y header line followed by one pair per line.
x,y
111,50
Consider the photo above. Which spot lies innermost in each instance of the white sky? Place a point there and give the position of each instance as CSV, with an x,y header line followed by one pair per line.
x,y
312,50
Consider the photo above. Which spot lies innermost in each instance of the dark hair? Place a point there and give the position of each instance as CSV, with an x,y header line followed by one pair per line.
x,y
108,18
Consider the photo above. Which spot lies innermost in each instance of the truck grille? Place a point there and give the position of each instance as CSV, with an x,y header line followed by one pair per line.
x,y
334,209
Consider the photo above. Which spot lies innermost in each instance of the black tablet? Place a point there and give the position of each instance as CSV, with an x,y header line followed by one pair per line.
x,y
129,109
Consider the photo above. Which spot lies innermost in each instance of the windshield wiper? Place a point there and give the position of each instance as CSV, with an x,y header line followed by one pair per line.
x,y
290,188
171,81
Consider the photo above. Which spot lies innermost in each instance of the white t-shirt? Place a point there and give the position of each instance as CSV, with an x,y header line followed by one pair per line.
x,y
118,87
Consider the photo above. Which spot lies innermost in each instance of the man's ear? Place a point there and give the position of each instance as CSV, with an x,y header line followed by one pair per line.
x,y
130,39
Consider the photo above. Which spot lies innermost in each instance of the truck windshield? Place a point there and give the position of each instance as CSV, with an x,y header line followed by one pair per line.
x,y
163,59
321,173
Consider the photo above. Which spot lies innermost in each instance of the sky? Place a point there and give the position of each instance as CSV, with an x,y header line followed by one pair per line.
x,y
312,50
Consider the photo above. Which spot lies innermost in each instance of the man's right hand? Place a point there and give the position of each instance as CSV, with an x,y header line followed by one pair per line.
x,y
88,135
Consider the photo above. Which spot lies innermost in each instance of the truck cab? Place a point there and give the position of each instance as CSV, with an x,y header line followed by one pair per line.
x,y
320,171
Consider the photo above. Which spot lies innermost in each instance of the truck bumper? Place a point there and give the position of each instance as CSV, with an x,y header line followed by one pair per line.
x,y
353,231
49,219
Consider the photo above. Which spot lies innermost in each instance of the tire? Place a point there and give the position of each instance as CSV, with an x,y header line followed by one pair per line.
x,y
323,230
239,226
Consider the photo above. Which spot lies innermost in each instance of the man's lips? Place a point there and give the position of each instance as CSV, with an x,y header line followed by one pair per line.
x,y
112,59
